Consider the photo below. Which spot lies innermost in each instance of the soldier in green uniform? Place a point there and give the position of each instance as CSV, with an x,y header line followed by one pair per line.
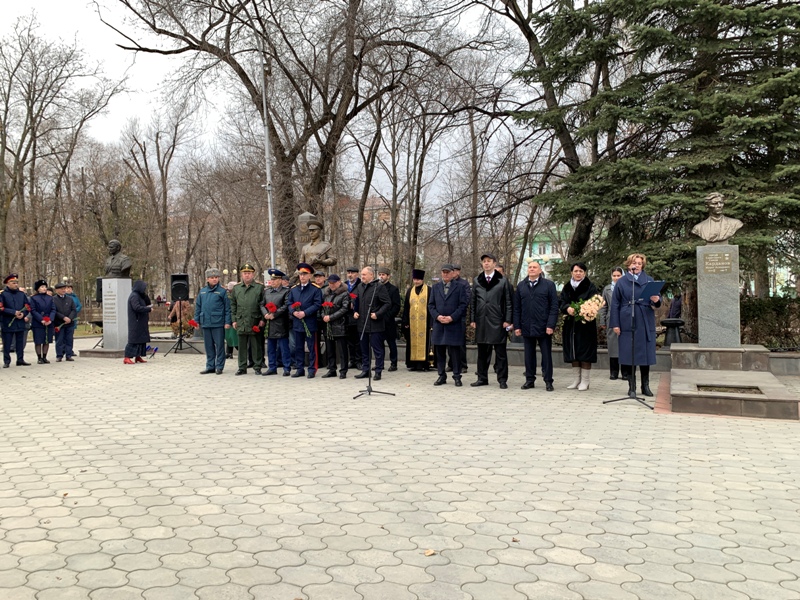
x,y
247,319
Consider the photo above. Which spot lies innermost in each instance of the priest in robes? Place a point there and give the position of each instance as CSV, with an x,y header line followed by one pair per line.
x,y
417,324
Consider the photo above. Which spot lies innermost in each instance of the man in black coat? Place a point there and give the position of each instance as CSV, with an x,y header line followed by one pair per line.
x,y
391,325
335,308
15,310
278,325
448,305
491,310
353,344
535,318
372,304
66,313
457,279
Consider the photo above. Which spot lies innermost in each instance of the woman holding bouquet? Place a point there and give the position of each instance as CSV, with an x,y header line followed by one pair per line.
x,y
644,322
43,310
579,332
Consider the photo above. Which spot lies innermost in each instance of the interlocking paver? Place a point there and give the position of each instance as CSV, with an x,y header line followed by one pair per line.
x,y
271,493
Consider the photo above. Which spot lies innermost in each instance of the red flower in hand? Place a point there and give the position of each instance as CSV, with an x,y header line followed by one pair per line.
x,y
46,320
28,307
256,328
353,296
56,329
271,307
327,305
194,323
297,305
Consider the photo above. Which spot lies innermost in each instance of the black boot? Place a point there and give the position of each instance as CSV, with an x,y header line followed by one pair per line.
x,y
645,372
614,362
631,386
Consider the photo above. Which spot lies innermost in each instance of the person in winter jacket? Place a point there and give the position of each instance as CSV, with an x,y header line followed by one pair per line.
x,y
139,307
65,322
278,325
335,308
491,309
213,315
43,313
14,318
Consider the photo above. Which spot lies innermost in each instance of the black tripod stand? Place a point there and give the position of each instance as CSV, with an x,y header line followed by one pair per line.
x,y
178,345
368,390
632,373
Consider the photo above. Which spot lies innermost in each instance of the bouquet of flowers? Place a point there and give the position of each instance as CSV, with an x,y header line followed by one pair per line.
x,y
295,307
327,306
271,309
586,310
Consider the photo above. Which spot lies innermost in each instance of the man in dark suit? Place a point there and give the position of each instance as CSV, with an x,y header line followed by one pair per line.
x,y
372,305
535,318
353,344
391,325
448,308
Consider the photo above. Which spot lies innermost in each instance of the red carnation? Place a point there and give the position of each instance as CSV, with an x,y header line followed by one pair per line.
x,y
327,305
271,307
353,296
28,307
194,323
297,305
56,329
256,328
46,320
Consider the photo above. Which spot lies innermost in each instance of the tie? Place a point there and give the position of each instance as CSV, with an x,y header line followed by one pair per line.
x,y
446,288
489,279
530,284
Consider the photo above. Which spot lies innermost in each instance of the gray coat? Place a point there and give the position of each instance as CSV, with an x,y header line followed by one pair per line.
x,y
280,326
491,307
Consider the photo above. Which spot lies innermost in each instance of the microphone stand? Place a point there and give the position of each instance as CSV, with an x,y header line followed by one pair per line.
x,y
632,374
368,390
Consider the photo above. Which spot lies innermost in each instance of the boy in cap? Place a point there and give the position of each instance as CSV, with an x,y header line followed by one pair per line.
x,y
213,314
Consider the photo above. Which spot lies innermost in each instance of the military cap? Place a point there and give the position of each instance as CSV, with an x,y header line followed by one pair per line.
x,y
10,276
305,268
247,267
275,273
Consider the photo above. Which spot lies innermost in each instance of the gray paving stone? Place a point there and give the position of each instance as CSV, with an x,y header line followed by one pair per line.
x,y
549,590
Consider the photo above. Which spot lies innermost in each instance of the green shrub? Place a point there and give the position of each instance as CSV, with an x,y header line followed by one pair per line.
x,y
771,322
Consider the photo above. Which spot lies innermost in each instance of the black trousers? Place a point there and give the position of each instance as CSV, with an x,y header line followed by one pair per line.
x,y
455,360
336,348
390,333
546,348
18,338
375,341
485,357
353,344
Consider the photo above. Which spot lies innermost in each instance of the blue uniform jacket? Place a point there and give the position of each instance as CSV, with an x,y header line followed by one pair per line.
x,y
13,300
212,307
310,299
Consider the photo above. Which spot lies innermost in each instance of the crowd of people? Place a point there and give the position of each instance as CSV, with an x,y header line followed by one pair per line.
x,y
325,322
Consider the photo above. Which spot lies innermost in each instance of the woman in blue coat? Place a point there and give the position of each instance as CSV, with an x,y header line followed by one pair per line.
x,y
139,307
630,286
43,311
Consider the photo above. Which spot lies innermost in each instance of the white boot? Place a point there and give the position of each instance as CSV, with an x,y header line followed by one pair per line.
x,y
585,376
576,371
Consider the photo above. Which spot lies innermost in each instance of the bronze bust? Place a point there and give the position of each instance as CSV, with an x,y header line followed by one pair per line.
x,y
118,266
717,228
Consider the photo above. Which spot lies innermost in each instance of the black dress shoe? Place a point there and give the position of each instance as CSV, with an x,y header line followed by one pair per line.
x,y
45,361
241,372
218,371
22,363
528,385
39,361
6,365
441,381
250,365
393,367
376,377
258,371
504,386
457,383
312,375
287,373
69,359
343,375
206,371
362,375
270,372
328,374
549,387
614,377
479,383
298,374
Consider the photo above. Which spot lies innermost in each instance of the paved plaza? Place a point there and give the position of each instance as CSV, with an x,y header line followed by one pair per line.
x,y
154,482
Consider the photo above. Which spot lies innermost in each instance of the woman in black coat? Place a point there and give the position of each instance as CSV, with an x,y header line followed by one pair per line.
x,y
139,308
578,339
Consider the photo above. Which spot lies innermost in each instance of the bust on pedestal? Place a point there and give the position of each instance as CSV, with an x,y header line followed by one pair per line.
x,y
116,289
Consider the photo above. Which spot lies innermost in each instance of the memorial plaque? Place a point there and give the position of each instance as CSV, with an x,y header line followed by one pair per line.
x,y
115,312
717,262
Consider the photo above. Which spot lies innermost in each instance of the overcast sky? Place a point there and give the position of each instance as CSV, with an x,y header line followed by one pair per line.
x,y
77,20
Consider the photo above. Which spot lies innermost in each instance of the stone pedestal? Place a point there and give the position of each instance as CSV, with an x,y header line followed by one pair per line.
x,y
718,296
115,313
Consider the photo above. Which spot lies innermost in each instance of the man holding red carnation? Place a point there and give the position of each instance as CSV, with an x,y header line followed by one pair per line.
x,y
246,301
14,316
213,313
303,302
276,315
